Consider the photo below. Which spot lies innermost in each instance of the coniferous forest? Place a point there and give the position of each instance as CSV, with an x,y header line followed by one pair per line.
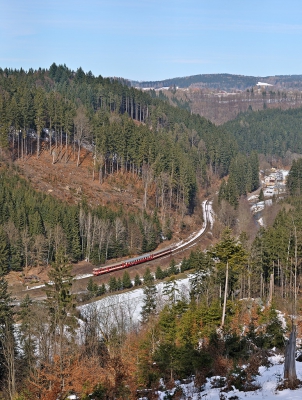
x,y
224,325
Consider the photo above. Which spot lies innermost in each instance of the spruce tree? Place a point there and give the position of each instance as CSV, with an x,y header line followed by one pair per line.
x,y
232,257
4,253
60,304
261,195
102,289
171,290
27,336
126,281
113,284
172,270
148,277
137,280
7,340
149,302
159,273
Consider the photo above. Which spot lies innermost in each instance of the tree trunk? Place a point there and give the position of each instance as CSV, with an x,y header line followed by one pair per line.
x,y
290,362
271,289
79,152
38,144
225,293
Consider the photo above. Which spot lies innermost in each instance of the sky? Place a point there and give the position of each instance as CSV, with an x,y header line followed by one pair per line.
x,y
155,39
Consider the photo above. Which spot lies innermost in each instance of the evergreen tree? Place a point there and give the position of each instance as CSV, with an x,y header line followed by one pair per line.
x,y
261,195
203,265
171,290
27,337
185,265
16,261
137,280
7,341
102,289
149,301
232,257
172,270
159,273
39,106
92,287
126,281
294,179
148,277
113,286
60,304
4,253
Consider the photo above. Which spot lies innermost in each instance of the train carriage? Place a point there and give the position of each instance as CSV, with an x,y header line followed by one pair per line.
x,y
131,262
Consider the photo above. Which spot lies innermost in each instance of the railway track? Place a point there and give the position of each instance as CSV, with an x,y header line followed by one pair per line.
x,y
207,209
166,252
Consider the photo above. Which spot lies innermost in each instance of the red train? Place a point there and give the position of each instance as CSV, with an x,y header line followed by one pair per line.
x,y
132,261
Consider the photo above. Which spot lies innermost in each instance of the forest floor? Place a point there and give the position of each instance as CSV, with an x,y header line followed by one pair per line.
x,y
67,182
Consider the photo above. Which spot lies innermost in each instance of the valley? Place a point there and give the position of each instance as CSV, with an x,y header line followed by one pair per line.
x,y
96,175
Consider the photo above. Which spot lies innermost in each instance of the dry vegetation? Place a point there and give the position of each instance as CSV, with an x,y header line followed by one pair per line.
x,y
74,184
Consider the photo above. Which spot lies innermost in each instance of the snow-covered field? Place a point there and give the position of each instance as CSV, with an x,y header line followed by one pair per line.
x,y
268,380
131,302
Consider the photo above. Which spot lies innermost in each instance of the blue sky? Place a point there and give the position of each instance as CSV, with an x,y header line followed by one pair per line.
x,y
155,39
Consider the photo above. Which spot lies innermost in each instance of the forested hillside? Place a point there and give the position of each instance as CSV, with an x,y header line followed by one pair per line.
x,y
74,107
224,81
128,132
270,132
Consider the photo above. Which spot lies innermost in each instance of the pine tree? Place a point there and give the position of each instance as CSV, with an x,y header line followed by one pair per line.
x,y
172,270
149,301
16,261
126,281
148,277
60,304
203,265
102,289
39,106
159,273
113,284
232,257
7,341
171,290
137,280
92,288
185,265
27,337
261,195
4,253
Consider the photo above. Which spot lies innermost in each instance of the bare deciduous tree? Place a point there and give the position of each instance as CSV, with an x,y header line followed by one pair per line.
x,y
82,129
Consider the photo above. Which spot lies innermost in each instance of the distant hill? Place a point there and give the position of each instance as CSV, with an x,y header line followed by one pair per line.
x,y
270,132
224,82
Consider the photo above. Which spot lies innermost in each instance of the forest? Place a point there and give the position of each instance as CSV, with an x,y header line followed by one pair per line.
x,y
269,132
226,82
172,152
227,320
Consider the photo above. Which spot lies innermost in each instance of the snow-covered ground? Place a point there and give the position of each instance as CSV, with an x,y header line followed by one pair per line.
x,y
131,302
268,380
